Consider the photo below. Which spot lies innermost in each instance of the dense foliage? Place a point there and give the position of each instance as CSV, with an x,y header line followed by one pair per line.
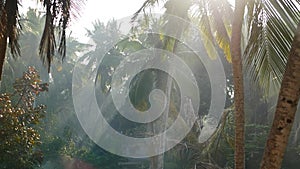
x,y
19,116
30,138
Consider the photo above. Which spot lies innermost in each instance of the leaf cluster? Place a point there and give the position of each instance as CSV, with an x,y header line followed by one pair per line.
x,y
18,119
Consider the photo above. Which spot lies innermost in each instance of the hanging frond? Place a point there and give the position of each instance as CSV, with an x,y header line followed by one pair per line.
x,y
214,20
272,26
207,36
210,48
219,25
13,27
222,131
47,44
146,4
58,13
213,17
9,29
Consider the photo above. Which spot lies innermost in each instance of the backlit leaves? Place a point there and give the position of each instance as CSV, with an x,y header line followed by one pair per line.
x,y
18,117
271,26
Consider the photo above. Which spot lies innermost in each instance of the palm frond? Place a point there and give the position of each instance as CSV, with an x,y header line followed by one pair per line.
x,y
146,4
63,22
47,44
76,7
13,27
209,46
207,37
57,11
271,31
214,18
221,32
10,29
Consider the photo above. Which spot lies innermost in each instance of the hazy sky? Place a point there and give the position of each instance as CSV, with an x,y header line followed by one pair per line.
x,y
102,10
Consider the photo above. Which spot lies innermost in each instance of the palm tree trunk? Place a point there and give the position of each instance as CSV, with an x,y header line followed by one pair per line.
x,y
235,47
286,109
3,39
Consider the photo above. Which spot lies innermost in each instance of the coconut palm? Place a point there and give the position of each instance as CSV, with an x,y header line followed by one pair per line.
x,y
237,69
215,31
267,35
271,32
269,26
216,25
288,100
57,11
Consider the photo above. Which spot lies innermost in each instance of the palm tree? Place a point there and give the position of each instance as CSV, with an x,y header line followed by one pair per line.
x,y
269,35
57,11
237,69
215,30
287,103
271,28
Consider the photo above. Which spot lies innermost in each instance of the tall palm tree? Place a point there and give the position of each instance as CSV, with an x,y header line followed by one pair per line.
x,y
269,26
180,9
218,29
57,11
286,108
289,91
237,69
269,34
215,31
271,43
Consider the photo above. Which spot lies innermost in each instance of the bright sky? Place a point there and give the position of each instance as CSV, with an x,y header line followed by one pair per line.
x,y
102,10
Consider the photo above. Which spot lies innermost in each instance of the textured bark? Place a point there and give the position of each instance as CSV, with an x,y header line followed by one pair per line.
x,y
235,47
285,111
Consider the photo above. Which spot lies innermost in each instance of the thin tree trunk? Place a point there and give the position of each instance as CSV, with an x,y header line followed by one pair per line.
x,y
286,109
236,54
